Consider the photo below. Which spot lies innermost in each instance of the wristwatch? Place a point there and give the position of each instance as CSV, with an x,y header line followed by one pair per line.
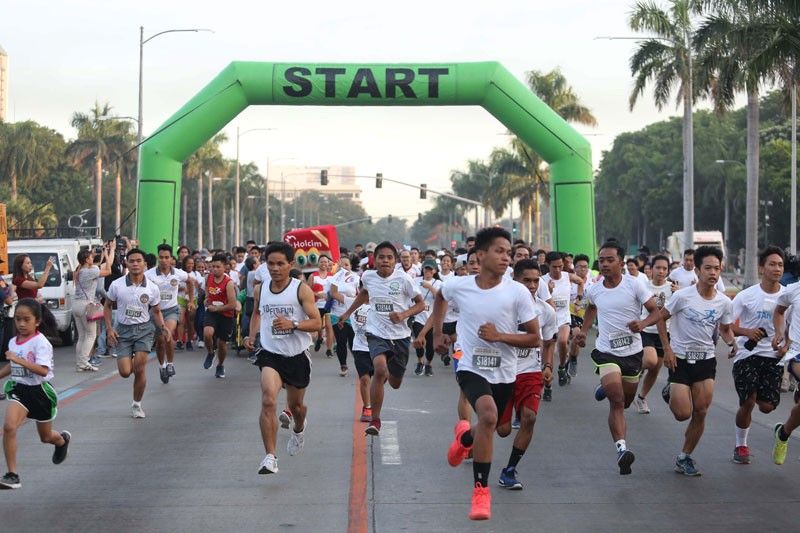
x,y
295,325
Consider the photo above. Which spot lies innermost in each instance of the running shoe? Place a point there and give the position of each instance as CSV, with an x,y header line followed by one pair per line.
x,y
95,361
420,368
189,346
60,453
428,370
10,481
572,366
641,405
548,394
446,360
563,377
481,503
686,466
209,360
457,451
179,346
508,479
201,344
625,459
599,393
374,427
137,411
170,369
285,418
366,414
269,465
328,354
741,455
220,373
780,447
665,393
343,370
104,356
163,374
86,368
515,423
318,344
297,440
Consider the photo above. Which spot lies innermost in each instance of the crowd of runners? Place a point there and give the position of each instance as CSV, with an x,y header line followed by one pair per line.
x,y
508,320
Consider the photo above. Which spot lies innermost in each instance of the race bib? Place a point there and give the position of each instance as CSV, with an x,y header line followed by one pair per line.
x,y
696,353
383,305
620,340
486,358
276,332
166,296
19,372
523,353
133,312
361,320
560,303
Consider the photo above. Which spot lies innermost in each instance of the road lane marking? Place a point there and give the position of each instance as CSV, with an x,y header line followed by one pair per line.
x,y
390,445
358,514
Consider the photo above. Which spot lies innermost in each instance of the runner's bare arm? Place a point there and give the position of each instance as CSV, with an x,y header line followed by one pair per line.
x,y
313,322
361,298
588,320
529,339
778,321
437,320
255,321
656,315
33,367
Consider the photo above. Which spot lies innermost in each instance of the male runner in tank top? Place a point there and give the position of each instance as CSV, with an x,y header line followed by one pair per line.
x,y
284,314
492,307
219,318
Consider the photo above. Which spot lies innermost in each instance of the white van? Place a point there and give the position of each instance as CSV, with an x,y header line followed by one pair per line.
x,y
59,289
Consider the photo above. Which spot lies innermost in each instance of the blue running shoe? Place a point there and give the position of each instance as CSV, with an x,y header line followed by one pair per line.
x,y
508,479
209,360
599,393
686,466
625,459
515,424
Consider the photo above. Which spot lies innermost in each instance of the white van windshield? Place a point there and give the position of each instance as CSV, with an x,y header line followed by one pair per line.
x,y
39,260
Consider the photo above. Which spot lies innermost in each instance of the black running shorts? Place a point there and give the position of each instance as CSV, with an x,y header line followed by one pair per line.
x,y
294,370
41,401
759,375
630,366
363,363
689,373
395,350
653,340
223,325
474,386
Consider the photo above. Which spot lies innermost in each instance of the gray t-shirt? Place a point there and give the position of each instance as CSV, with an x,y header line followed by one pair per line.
x,y
86,283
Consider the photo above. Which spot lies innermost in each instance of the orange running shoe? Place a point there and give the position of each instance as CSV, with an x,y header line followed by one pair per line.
x,y
481,503
457,451
366,414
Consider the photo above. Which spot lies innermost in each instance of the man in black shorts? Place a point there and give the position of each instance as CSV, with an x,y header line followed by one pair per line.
x,y
492,307
285,315
220,310
617,303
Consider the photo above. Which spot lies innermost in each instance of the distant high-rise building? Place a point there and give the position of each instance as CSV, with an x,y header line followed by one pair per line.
x,y
3,85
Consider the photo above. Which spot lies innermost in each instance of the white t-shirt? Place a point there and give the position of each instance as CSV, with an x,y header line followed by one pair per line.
x,y
452,308
560,295
386,295
168,285
662,294
319,283
530,359
506,305
133,301
753,308
262,273
694,320
412,272
791,298
358,320
616,308
641,278
428,297
36,349
346,283
684,278
447,276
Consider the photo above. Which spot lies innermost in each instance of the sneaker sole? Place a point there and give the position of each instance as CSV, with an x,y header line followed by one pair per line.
x,y
366,419
516,486
265,470
10,486
625,463
373,431
741,460
683,472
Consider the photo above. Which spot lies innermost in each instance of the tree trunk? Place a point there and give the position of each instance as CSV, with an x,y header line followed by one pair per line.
x,y
13,185
118,202
224,225
98,183
751,212
200,212
688,160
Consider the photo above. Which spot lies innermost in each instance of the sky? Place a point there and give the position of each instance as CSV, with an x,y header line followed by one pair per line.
x,y
64,56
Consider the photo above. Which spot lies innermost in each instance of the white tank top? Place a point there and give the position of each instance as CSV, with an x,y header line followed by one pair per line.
x,y
286,303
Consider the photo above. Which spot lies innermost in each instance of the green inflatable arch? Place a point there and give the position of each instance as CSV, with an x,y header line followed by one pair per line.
x,y
486,84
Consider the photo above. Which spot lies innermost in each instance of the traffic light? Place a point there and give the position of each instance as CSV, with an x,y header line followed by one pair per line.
x,y
423,191
323,177
379,180
390,219
514,228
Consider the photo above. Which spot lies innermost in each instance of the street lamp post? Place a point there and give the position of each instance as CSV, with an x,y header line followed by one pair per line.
x,y
767,204
238,215
142,42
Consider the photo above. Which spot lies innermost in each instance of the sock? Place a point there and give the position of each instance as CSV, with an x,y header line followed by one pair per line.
x,y
741,436
480,473
137,404
466,439
516,455
620,444
640,396
782,434
548,386
164,364
682,456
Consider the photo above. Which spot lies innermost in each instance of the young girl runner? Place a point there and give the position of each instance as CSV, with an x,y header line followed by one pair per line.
x,y
29,391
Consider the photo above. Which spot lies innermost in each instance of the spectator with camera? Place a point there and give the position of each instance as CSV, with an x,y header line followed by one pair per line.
x,y
86,310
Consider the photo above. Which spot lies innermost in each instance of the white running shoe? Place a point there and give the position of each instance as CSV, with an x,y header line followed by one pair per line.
x,y
641,405
137,411
285,418
297,440
269,465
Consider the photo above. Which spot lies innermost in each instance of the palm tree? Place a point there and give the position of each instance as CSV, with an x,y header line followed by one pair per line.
x,y
100,138
554,90
665,58
207,160
26,153
731,41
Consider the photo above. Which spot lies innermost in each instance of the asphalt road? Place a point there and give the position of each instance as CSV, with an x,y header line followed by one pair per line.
x,y
191,464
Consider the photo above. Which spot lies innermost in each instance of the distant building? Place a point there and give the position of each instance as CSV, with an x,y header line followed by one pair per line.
x,y
301,178
3,85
